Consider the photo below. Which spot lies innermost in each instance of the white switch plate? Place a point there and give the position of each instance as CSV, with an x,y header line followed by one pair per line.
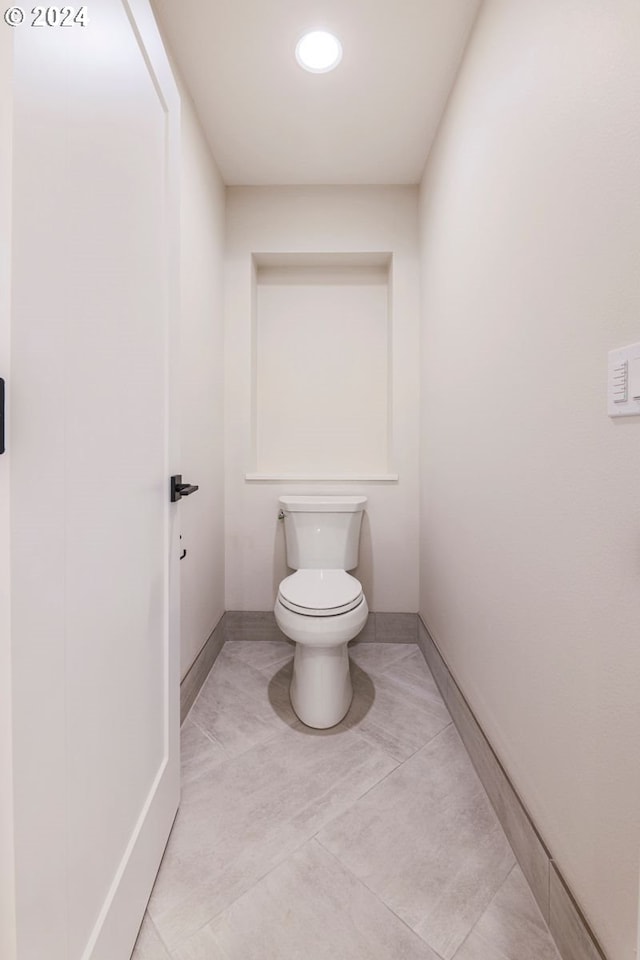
x,y
623,381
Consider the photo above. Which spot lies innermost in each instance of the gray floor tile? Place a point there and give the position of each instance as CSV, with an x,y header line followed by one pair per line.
x,y
238,821
309,907
465,893
413,675
427,842
198,753
234,709
262,655
512,928
149,946
201,946
392,713
413,841
378,657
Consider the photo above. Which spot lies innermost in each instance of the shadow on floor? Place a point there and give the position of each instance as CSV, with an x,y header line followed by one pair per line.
x,y
364,694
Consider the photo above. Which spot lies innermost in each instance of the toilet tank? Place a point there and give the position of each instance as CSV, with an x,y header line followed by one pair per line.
x,y
322,532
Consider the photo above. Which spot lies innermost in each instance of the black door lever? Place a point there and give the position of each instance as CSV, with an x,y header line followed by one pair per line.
x,y
180,489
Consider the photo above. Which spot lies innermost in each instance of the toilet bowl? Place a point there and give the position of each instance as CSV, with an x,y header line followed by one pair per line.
x,y
321,607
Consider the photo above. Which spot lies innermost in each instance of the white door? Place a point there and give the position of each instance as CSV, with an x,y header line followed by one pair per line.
x,y
92,444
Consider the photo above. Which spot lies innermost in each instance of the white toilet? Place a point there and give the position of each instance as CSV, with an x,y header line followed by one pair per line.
x,y
321,606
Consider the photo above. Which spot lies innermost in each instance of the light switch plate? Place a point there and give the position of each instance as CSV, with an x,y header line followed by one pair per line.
x,y
623,382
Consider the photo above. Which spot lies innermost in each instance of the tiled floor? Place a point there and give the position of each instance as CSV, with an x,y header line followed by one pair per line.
x,y
370,841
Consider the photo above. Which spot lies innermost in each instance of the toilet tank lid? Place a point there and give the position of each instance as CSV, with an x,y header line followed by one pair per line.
x,y
323,504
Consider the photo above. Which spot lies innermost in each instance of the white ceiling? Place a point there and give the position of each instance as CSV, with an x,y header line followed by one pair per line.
x,y
268,121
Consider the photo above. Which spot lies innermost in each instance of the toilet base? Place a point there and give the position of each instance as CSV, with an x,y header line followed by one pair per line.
x,y
321,690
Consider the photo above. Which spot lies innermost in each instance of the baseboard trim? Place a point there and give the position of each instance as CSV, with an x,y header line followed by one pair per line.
x,y
199,670
573,936
379,628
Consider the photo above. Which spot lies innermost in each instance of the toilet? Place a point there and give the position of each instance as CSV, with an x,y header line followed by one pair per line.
x,y
321,606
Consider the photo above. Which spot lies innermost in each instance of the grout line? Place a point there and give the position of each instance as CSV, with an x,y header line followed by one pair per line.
x,y
271,869
279,664
495,952
429,741
236,756
186,939
516,866
209,736
376,746
382,902
403,649
400,761
398,764
223,910
158,934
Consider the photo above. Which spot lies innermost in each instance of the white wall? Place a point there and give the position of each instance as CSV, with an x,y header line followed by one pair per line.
x,y
202,365
530,228
7,892
294,220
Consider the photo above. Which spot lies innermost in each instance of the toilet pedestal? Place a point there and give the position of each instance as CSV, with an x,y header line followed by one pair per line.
x,y
321,690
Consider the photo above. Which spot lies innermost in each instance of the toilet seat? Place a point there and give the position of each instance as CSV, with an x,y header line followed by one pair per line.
x,y
320,593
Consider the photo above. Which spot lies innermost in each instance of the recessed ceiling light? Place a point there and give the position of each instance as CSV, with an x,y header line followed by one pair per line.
x,y
319,51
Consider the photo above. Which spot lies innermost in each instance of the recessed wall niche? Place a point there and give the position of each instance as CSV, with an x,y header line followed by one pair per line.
x,y
321,366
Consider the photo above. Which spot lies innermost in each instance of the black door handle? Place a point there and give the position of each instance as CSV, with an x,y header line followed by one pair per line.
x,y
180,489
